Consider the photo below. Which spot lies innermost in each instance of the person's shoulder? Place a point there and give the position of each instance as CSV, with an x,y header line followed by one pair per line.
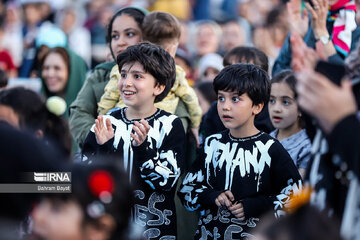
x,y
106,66
218,136
162,114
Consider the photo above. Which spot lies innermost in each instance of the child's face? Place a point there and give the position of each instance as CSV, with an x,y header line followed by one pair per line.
x,y
237,112
137,87
210,74
125,33
233,35
57,219
55,73
283,108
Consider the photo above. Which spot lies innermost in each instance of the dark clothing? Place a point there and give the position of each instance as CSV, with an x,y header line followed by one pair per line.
x,y
334,174
257,170
212,124
153,167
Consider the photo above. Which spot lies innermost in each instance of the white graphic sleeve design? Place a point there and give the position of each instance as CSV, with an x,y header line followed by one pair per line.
x,y
160,158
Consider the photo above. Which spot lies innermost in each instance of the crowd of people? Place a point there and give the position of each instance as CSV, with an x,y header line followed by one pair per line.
x,y
218,119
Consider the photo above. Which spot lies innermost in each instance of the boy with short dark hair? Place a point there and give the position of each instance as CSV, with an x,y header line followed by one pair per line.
x,y
149,140
211,122
240,171
162,29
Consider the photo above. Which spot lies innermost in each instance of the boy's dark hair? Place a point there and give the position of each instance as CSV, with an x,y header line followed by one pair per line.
x,y
288,77
3,79
244,78
155,60
160,28
247,55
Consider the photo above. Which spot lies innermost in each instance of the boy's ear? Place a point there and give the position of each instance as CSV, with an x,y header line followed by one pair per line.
x,y
257,108
158,89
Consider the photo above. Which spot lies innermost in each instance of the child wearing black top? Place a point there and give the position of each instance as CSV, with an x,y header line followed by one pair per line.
x,y
150,141
241,172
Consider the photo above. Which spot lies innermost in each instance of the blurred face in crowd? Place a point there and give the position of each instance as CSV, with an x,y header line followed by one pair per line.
x,y
32,13
206,40
125,32
57,219
233,35
55,73
7,114
210,74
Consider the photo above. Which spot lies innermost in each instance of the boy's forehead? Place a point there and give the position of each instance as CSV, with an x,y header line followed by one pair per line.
x,y
229,92
133,66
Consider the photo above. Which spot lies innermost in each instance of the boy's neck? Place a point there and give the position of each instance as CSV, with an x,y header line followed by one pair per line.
x,y
133,113
244,131
288,132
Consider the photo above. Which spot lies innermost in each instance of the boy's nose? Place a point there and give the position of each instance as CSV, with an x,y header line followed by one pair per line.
x,y
226,106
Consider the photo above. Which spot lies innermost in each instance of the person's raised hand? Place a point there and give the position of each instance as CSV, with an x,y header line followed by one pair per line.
x,y
302,55
298,17
319,13
141,130
324,100
103,133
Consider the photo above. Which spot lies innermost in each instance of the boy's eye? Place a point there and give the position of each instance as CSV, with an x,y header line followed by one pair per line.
x,y
221,98
137,76
272,101
235,99
115,36
123,75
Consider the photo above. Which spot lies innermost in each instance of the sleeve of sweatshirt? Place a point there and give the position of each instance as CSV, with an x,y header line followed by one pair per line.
x,y
161,167
195,193
111,92
188,96
344,141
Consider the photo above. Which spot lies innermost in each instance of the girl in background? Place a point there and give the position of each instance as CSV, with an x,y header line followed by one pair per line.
x,y
286,118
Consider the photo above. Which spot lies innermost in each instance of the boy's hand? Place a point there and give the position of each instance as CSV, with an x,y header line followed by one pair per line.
x,y
238,211
102,133
141,130
225,199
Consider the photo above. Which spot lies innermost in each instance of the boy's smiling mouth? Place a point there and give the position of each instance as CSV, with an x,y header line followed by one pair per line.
x,y
128,92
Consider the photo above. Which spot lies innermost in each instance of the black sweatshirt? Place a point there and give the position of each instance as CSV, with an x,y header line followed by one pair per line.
x,y
334,173
154,167
257,170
